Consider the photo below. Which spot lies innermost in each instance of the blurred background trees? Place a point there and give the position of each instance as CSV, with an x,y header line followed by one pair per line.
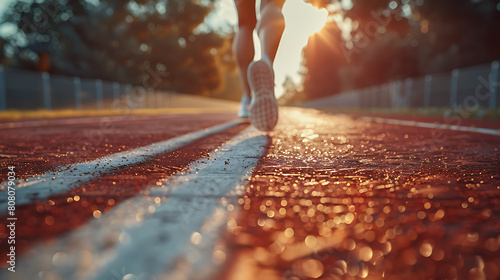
x,y
151,43
370,42
167,45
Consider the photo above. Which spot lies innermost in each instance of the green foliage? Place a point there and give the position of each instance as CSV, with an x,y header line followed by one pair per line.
x,y
152,43
388,40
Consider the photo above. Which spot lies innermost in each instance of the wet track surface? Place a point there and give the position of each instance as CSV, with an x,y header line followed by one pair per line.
x,y
39,146
334,196
337,198
64,212
34,147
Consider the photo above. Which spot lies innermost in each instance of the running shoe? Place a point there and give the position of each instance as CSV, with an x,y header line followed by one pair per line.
x,y
263,107
244,107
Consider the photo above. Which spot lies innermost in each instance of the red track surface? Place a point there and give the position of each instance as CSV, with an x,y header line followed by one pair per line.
x,y
37,146
37,149
335,197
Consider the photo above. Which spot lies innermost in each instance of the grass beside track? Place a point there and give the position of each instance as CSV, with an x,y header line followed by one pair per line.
x,y
19,114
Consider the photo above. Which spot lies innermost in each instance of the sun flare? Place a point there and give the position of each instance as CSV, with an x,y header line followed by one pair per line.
x,y
301,21
303,18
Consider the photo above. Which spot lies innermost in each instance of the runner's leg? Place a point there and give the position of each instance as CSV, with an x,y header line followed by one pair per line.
x,y
243,42
270,27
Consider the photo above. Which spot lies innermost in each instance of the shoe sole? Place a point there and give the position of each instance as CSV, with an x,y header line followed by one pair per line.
x,y
264,107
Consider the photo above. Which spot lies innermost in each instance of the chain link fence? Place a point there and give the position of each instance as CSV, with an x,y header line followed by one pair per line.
x,y
30,90
470,88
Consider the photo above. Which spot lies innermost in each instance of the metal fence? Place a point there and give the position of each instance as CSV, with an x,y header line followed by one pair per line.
x,y
28,90
470,88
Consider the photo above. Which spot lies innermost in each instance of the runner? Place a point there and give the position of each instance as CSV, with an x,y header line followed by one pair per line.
x,y
258,101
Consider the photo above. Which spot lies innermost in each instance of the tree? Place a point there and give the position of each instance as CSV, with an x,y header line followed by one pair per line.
x,y
456,33
143,42
322,58
385,40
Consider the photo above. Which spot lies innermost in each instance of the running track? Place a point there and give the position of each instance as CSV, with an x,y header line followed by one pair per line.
x,y
205,196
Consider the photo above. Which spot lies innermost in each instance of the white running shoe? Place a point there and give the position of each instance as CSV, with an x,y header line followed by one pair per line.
x,y
263,107
244,107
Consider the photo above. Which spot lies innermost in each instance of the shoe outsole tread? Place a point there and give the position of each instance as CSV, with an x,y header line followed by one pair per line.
x,y
264,107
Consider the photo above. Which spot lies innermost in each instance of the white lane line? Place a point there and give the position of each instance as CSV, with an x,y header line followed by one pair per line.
x,y
71,176
490,131
143,238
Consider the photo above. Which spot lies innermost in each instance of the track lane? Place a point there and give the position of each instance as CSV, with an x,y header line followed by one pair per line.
x,y
70,176
144,235
335,196
340,197
38,149
65,212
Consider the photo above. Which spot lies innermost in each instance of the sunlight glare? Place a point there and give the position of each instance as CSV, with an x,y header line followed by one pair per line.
x,y
303,18
301,21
